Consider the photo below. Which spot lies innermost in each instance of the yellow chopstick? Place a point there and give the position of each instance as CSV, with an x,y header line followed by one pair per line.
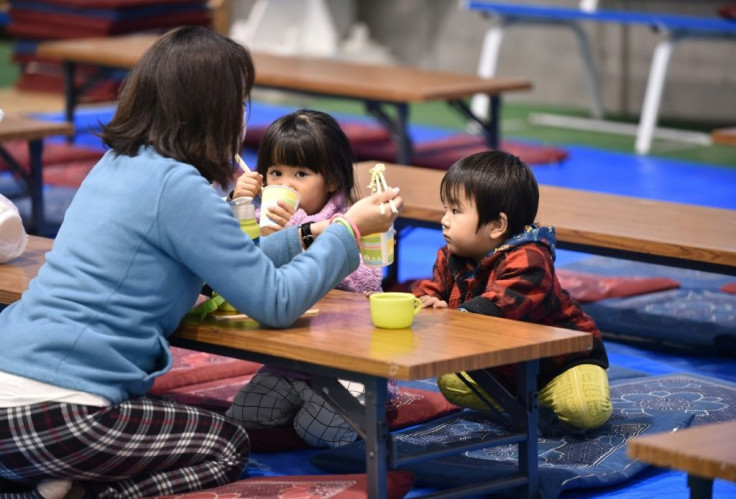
x,y
242,317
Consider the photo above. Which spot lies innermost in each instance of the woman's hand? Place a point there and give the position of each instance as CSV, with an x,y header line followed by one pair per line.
x,y
366,213
249,184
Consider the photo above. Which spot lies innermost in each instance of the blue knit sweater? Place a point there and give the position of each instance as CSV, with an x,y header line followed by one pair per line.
x,y
139,239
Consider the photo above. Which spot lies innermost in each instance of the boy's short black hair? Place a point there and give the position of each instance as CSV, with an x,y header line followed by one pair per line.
x,y
497,182
313,140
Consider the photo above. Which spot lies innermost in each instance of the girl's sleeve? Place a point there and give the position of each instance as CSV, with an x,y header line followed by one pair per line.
x,y
440,285
523,281
364,279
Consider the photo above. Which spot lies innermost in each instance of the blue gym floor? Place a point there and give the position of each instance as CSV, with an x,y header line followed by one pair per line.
x,y
585,168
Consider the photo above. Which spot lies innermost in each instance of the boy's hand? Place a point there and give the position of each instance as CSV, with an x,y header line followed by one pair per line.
x,y
279,215
248,184
432,302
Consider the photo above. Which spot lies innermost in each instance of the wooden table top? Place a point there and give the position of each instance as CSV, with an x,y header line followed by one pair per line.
x,y
439,341
17,273
660,228
708,451
303,74
14,127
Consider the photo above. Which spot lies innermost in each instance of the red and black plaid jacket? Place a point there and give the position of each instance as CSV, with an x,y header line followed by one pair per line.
x,y
516,281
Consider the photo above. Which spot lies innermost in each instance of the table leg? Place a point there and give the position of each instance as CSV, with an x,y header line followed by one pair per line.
x,y
653,95
377,436
490,127
528,453
398,127
700,488
35,185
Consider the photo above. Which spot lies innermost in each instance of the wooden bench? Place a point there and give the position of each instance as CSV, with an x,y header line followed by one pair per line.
x,y
378,87
661,232
724,136
705,452
673,28
32,131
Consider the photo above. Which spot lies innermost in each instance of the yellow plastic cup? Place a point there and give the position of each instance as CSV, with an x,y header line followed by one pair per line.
x,y
377,249
271,195
394,310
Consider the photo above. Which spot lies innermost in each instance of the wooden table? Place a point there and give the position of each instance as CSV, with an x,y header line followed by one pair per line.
x,y
724,136
378,87
32,131
17,273
341,342
639,229
704,452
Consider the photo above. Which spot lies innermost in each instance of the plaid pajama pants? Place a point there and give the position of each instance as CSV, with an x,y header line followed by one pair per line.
x,y
270,400
141,447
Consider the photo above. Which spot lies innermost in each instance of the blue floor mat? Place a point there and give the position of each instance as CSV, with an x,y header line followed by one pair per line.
x,y
586,168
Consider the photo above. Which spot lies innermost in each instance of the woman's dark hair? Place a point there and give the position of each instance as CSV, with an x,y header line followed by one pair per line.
x,y
312,140
185,97
497,182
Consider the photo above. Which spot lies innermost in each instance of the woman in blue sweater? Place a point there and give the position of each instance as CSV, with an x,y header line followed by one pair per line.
x,y
145,230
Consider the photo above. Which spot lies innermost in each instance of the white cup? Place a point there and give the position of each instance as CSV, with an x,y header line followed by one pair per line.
x,y
271,195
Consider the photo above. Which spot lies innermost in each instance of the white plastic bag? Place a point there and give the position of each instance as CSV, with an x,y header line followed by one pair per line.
x,y
13,237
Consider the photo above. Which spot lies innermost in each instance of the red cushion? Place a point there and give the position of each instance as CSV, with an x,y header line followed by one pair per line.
x,y
585,287
357,133
412,406
728,11
214,395
442,153
63,164
118,4
191,367
306,487
39,25
729,288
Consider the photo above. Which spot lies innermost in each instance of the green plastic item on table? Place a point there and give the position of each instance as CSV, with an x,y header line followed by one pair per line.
x,y
207,307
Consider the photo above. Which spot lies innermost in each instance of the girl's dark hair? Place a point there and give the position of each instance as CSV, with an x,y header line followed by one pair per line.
x,y
312,140
185,98
497,182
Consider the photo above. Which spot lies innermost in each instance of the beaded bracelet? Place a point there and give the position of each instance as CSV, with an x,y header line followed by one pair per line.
x,y
348,224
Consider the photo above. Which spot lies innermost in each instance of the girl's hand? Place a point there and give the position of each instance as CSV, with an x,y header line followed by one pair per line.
x,y
432,302
248,184
366,213
280,215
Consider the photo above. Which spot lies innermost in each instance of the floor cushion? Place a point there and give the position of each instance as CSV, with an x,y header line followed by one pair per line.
x,y
585,287
303,487
192,368
357,133
642,405
680,317
442,152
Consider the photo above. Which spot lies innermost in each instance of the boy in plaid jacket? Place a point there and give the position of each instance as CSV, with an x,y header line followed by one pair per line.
x,y
498,262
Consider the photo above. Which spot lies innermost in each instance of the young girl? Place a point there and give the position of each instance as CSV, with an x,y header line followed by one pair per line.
x,y
87,339
308,152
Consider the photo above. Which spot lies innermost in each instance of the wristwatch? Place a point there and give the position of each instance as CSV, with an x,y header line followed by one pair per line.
x,y
306,231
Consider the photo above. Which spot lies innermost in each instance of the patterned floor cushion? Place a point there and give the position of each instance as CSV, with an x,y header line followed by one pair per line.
x,y
303,487
641,405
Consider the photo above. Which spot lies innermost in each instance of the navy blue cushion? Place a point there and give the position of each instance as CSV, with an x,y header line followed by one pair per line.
x,y
641,405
